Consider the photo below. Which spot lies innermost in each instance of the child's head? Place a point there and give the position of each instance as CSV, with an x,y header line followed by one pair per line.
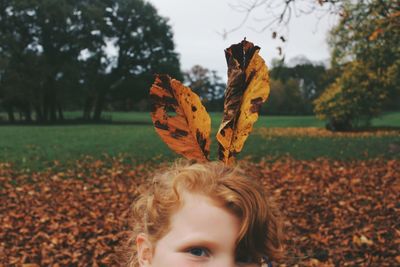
x,y
204,214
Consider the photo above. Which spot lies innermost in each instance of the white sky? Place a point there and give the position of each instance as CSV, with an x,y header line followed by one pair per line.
x,y
196,24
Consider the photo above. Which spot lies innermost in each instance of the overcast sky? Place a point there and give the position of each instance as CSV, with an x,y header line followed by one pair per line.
x,y
197,23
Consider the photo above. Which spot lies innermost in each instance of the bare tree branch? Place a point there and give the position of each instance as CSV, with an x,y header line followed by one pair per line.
x,y
286,10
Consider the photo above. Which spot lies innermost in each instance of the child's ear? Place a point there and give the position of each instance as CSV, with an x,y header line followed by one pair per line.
x,y
144,250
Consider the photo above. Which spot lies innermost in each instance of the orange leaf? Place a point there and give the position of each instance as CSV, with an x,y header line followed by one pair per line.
x,y
180,119
375,34
248,88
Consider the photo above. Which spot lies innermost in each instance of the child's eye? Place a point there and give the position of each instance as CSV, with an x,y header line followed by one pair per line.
x,y
198,252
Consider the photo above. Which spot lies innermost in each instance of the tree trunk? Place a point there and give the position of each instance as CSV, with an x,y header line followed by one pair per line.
x,y
50,96
10,112
339,126
45,110
28,115
87,108
99,105
60,113
53,112
39,114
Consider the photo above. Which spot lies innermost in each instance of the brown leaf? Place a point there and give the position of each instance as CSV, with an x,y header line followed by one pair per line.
x,y
180,119
375,34
248,88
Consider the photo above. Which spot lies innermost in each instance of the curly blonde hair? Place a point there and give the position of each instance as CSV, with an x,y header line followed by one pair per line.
x,y
260,234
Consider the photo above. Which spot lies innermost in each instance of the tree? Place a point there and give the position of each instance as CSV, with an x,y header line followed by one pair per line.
x,y
70,53
145,46
208,85
298,85
40,39
365,48
285,98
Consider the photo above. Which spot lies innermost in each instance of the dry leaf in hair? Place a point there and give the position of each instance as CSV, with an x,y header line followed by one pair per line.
x,y
180,118
248,88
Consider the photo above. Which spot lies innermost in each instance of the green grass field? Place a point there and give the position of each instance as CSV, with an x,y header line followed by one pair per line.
x,y
132,134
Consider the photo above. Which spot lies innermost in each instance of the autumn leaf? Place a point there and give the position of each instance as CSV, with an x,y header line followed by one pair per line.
x,y
180,119
248,88
375,34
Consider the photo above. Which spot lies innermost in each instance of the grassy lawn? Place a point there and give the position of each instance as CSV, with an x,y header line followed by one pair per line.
x,y
391,119
34,147
263,121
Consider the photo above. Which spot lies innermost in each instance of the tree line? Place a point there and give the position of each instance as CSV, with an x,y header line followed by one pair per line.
x,y
73,54
58,55
293,88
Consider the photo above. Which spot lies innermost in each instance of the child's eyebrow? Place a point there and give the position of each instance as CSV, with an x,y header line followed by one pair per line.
x,y
198,241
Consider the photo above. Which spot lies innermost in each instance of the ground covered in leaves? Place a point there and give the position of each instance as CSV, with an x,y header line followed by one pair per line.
x,y
337,213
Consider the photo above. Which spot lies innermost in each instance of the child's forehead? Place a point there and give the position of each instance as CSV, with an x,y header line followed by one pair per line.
x,y
202,218
209,195
197,200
